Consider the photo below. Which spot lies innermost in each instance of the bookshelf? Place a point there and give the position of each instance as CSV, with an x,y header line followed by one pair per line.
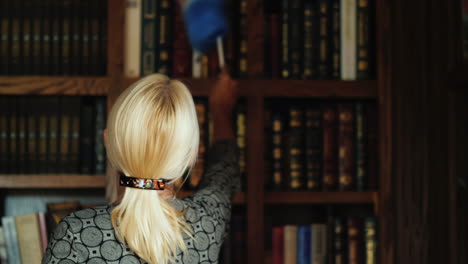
x,y
407,181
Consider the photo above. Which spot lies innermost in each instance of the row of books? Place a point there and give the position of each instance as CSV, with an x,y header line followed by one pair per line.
x,y
53,37
348,241
24,238
204,123
321,146
319,39
52,134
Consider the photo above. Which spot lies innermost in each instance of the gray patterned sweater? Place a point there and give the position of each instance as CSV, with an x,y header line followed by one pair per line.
x,y
87,236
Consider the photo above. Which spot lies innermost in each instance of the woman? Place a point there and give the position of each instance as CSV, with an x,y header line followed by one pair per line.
x,y
152,139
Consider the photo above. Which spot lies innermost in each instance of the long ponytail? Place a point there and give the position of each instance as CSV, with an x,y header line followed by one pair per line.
x,y
152,133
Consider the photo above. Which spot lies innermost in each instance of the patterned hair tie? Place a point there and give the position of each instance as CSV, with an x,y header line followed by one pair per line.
x,y
139,183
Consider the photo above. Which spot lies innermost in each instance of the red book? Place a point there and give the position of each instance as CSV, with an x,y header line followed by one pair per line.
x,y
182,52
330,147
43,230
275,50
355,241
346,147
278,244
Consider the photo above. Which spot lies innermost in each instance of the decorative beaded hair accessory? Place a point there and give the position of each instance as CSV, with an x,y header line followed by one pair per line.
x,y
147,184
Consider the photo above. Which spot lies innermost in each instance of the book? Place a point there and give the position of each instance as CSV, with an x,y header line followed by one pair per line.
x,y
241,139
313,148
202,116
26,36
43,117
346,139
43,231
56,211
94,36
363,49
324,53
285,36
85,37
55,37
319,244
76,36
197,64
29,238
36,35
32,129
100,125
15,36
277,152
360,140
53,131
11,240
149,36
243,44
102,14
4,134
64,137
278,244
355,241
66,15
13,135
132,66
336,40
75,130
5,37
372,146
304,244
296,41
274,55
370,240
87,133
339,250
182,53
290,244
164,55
21,124
295,148
3,249
309,43
348,39
330,146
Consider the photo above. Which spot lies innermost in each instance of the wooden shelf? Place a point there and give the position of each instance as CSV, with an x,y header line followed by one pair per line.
x,y
320,197
33,181
239,198
50,85
288,88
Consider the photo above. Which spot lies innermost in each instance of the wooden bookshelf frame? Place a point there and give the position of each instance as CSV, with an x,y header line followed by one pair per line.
x,y
54,85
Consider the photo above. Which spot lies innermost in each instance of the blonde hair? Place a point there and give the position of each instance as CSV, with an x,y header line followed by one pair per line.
x,y
152,133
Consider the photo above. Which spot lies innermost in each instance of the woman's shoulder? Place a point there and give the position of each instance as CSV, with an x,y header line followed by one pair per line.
x,y
96,217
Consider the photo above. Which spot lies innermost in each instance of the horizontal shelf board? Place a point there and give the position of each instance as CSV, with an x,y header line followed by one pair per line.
x,y
239,198
288,88
54,85
304,197
32,181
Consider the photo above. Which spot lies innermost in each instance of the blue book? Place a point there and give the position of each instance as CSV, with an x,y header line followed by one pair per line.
x,y
11,240
304,244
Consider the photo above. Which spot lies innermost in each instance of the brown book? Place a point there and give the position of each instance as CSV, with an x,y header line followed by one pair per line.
x,y
275,49
21,136
296,145
182,52
355,241
64,136
346,159
29,238
53,135
32,148
330,147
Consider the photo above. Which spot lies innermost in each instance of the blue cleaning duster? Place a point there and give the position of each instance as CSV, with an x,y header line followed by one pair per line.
x,y
205,22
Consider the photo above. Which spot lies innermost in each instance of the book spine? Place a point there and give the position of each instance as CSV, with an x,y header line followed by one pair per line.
x,y
13,135
3,134
165,38
197,171
21,124
319,244
3,249
149,39
76,35
181,47
243,44
330,147
335,35
204,66
94,36
371,240
361,148
15,32
87,136
296,126
348,39
339,251
32,148
309,70
363,40
5,38
372,146
42,134
241,138
132,67
43,231
304,239
66,16
313,143
65,120
46,38
290,244
346,152
11,240
29,239
53,131
275,47
36,35
56,33
355,241
26,30
74,140
102,15
324,62
100,153
296,41
277,151
278,244
285,35
85,37
197,64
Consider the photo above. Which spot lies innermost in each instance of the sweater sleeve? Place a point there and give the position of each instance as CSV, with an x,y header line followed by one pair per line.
x,y
61,245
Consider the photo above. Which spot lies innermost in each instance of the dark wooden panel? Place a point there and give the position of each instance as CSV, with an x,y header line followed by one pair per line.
x,y
54,85
255,38
320,197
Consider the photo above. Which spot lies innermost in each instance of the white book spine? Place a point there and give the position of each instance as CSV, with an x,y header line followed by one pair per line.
x,y
132,54
348,39
11,240
197,64
319,243
290,244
